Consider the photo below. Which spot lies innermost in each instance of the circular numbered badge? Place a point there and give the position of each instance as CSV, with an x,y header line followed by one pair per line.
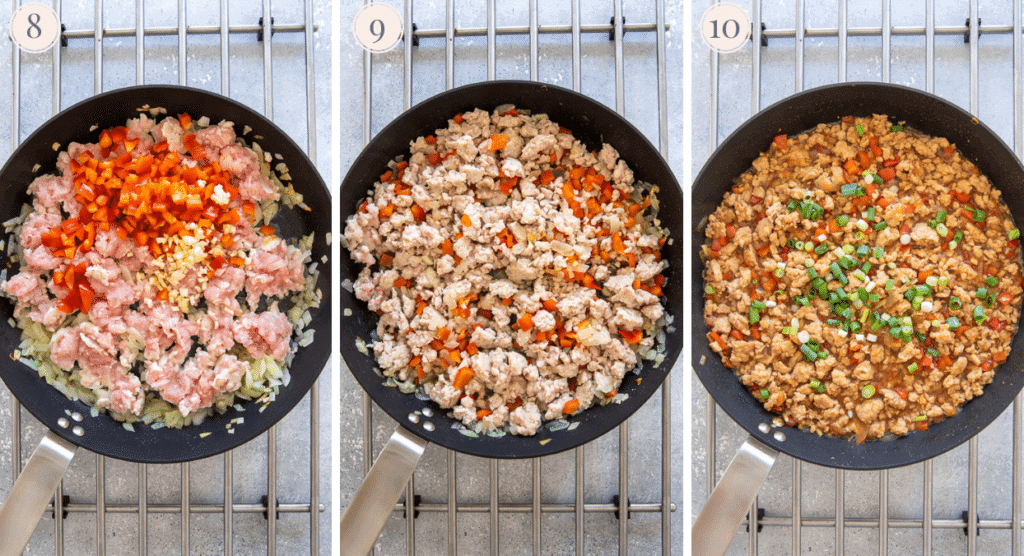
x,y
725,27
377,27
34,27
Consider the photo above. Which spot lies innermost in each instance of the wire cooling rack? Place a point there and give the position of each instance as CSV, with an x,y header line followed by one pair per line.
x,y
217,505
969,500
562,504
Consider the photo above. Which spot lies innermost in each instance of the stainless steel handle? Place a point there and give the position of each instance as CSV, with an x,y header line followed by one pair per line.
x,y
32,492
735,492
375,500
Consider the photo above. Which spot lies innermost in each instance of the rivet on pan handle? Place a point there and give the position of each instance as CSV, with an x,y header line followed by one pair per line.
x,y
32,492
735,492
375,500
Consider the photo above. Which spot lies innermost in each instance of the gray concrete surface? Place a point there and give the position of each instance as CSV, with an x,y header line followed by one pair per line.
x,y
249,461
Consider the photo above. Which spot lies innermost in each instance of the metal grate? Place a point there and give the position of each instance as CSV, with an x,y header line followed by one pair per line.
x,y
557,504
109,506
951,504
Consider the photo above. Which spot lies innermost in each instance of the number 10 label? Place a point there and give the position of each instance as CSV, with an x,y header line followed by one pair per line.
x,y
725,27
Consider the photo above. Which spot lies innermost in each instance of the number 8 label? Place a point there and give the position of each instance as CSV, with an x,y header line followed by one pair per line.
x,y
725,27
34,27
377,27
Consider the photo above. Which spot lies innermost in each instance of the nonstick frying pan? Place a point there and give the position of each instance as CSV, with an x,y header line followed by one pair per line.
x,y
594,124
930,114
102,434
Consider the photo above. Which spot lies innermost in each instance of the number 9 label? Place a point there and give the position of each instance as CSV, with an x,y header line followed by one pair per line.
x,y
377,27
725,27
34,27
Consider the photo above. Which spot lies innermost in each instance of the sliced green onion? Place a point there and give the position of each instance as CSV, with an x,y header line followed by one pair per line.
x,y
860,129
802,301
990,300
979,215
992,281
982,292
858,235
855,327
863,251
788,330
811,273
916,303
821,249
848,249
941,229
1014,234
941,217
954,303
868,390
897,127
979,314
755,316
943,281
866,267
799,246
959,236
815,383
932,281
932,223
765,394
953,322
889,284
912,367
932,351
758,304
871,213
809,354
862,225
923,289
873,297
843,220
780,271
920,418
878,179
877,252
881,226
848,189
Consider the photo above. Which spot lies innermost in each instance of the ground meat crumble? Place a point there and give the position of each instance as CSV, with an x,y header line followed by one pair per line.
x,y
517,274
862,279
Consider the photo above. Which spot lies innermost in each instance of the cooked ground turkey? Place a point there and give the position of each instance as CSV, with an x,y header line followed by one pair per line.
x,y
862,279
517,275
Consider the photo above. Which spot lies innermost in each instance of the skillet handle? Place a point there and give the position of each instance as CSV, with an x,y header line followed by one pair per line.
x,y
33,490
717,523
375,500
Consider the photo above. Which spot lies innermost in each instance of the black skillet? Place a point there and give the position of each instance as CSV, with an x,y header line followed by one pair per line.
x,y
102,434
594,124
919,110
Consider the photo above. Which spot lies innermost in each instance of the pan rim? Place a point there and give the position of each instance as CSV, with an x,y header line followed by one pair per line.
x,y
832,451
124,102
485,446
